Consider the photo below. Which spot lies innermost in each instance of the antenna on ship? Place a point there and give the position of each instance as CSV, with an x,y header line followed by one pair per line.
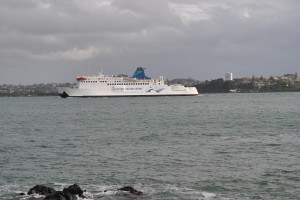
x,y
101,72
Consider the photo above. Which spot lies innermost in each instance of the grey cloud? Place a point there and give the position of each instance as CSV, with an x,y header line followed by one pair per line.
x,y
55,40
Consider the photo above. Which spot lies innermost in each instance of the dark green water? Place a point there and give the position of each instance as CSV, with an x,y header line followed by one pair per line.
x,y
223,146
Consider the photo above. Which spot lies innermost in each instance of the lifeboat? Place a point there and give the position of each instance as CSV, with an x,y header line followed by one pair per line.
x,y
80,78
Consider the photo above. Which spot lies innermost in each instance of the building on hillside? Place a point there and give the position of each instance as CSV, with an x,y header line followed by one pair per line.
x,y
228,76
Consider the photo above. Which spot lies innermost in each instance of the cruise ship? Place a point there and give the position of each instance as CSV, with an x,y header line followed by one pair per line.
x,y
138,84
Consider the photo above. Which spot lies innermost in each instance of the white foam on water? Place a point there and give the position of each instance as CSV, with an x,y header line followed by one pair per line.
x,y
96,191
87,197
35,196
101,188
208,195
106,193
189,193
146,189
111,191
61,186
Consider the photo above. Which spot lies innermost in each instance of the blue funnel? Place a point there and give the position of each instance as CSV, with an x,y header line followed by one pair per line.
x,y
140,74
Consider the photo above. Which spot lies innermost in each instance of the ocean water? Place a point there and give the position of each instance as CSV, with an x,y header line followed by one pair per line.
x,y
214,146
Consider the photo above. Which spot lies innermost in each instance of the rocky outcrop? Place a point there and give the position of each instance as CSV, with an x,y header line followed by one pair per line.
x,y
41,189
74,189
71,192
131,190
67,193
57,196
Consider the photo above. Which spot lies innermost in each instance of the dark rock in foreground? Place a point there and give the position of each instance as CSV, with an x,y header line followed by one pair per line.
x,y
51,194
57,196
41,189
131,190
74,189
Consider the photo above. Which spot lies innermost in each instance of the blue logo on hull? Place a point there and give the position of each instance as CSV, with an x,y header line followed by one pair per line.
x,y
157,90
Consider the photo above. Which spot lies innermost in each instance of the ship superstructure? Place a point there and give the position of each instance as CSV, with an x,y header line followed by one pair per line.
x,y
139,84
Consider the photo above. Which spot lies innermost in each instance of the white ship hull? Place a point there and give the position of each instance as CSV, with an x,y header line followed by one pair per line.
x,y
114,86
172,90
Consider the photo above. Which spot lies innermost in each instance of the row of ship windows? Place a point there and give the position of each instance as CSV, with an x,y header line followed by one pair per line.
x,y
116,83
94,81
128,84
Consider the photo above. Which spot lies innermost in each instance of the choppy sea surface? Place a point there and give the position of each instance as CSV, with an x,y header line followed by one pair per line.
x,y
214,146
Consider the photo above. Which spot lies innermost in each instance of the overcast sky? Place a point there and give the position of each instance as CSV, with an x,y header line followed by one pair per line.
x,y
44,41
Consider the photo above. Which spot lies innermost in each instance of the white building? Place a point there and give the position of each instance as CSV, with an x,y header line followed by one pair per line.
x,y
228,76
